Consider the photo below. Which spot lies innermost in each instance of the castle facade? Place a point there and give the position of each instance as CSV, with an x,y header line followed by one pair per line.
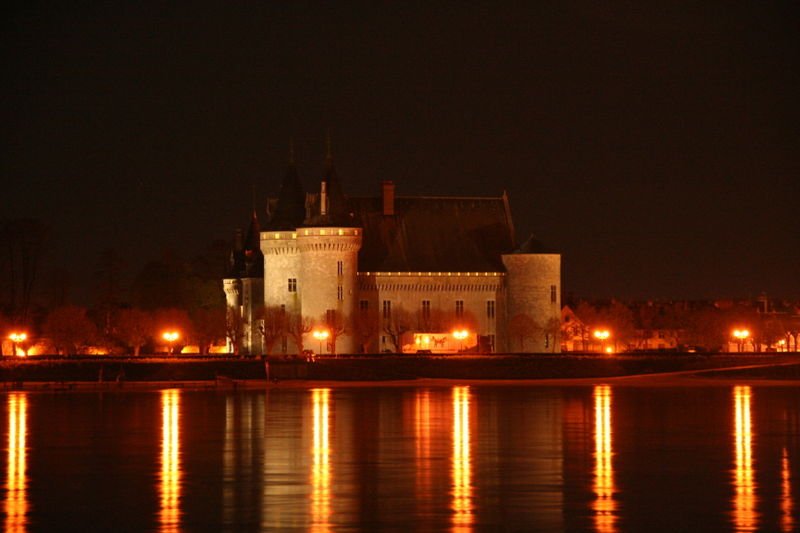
x,y
389,274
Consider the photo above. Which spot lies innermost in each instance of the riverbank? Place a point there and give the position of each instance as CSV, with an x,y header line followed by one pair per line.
x,y
115,372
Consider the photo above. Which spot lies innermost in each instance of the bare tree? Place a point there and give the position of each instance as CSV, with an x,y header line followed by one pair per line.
x,y
338,324
21,243
233,329
552,330
272,322
366,328
209,325
521,328
70,329
398,322
297,326
134,328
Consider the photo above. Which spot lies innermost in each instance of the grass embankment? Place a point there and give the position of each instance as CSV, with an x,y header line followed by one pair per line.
x,y
15,373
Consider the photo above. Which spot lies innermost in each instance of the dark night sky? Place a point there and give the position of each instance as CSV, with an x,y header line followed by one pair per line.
x,y
657,148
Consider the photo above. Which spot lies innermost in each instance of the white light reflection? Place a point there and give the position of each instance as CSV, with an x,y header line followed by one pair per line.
x,y
604,505
16,504
321,468
744,504
461,462
170,488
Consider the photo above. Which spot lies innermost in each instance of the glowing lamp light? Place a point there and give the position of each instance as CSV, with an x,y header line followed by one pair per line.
x,y
320,335
609,349
18,336
460,334
741,334
171,336
601,334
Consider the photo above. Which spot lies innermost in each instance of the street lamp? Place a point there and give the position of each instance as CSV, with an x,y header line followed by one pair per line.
x,y
321,335
171,337
602,335
17,337
741,335
460,334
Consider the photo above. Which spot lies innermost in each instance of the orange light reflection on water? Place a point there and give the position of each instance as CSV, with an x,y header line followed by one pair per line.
x,y
16,504
170,487
461,461
604,505
744,505
321,467
787,521
422,440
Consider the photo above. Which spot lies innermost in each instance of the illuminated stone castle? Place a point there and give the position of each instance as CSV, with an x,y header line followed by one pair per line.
x,y
391,273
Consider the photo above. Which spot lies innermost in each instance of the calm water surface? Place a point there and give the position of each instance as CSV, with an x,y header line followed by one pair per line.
x,y
597,458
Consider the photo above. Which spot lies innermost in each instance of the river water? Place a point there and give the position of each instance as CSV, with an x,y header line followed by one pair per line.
x,y
439,458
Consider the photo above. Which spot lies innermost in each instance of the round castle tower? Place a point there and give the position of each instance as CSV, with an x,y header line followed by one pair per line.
x,y
329,244
279,246
329,264
533,290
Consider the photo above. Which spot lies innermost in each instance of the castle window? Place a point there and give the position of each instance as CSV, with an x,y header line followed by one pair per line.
x,y
363,306
552,294
292,284
284,344
459,308
339,293
387,309
339,268
491,340
426,310
490,309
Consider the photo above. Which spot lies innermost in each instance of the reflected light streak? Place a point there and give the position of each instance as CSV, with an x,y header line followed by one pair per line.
x,y
787,521
16,505
321,468
604,505
422,440
170,488
462,467
744,513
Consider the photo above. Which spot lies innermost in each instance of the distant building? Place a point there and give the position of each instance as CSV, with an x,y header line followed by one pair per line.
x,y
392,273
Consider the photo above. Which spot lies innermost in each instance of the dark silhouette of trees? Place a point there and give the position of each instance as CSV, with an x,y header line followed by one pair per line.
x,y
366,328
21,242
69,329
297,326
208,325
399,322
338,324
134,328
272,322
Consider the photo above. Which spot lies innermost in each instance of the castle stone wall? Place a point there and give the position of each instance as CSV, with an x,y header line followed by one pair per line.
x,y
530,281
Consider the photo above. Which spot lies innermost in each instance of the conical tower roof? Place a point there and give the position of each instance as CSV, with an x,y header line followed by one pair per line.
x,y
290,210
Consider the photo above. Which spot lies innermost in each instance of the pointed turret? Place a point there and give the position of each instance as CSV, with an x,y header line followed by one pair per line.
x,y
290,210
333,206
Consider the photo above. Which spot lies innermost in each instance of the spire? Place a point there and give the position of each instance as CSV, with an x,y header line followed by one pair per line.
x,y
290,210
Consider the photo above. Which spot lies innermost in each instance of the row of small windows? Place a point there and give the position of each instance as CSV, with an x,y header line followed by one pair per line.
x,y
363,306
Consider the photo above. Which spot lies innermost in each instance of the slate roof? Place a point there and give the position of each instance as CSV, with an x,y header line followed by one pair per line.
x,y
436,234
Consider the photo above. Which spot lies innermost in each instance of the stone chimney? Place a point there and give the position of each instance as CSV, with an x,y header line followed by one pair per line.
x,y
323,198
388,197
